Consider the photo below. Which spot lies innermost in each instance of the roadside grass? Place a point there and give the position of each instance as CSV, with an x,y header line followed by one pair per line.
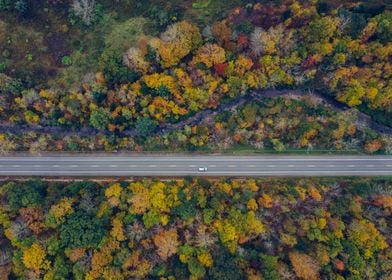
x,y
250,150
246,149
207,11
239,149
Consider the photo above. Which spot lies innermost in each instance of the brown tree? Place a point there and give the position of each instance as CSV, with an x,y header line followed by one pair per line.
x,y
167,243
305,266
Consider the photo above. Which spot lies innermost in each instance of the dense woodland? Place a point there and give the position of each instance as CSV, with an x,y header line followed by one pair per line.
x,y
149,73
197,229
204,75
270,125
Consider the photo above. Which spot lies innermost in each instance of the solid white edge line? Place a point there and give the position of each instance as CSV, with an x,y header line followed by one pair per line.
x,y
196,172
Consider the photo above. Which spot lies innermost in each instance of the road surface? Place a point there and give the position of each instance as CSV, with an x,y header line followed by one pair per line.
x,y
181,165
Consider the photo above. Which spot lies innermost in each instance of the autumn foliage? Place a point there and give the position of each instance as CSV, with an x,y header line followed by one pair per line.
x,y
187,68
197,229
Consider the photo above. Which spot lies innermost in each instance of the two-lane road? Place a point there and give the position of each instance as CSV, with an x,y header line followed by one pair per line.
x,y
188,165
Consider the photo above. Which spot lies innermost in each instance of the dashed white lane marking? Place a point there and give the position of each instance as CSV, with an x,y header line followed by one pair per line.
x,y
192,165
389,165
370,165
113,166
94,166
252,166
291,166
132,166
272,166
351,165
36,165
332,165
153,165
311,165
232,166
56,166
212,166
16,166
172,165
74,166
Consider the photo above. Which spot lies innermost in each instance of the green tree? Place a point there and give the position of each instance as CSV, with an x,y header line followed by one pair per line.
x,y
5,5
186,209
151,218
81,229
98,94
277,145
111,64
100,118
321,29
225,267
61,269
269,266
384,28
145,126
21,6
8,85
356,264
25,195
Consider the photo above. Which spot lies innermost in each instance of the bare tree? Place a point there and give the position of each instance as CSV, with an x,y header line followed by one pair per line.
x,y
84,9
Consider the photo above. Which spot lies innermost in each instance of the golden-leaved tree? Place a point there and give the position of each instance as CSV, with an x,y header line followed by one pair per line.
x,y
210,55
34,258
176,42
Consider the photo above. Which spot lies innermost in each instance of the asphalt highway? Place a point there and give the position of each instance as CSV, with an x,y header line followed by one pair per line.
x,y
188,165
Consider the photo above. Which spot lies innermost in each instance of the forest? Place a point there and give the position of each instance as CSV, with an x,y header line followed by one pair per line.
x,y
164,67
270,125
190,228
202,76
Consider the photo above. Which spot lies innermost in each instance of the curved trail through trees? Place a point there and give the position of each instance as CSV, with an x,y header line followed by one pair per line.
x,y
204,115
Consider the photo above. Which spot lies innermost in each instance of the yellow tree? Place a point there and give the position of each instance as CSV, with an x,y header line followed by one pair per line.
x,y
139,200
210,55
117,231
34,258
366,236
352,95
60,210
101,259
263,42
113,193
162,196
159,80
176,42
242,65
227,234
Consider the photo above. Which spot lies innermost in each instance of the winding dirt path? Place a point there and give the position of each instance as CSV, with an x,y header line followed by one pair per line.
x,y
200,116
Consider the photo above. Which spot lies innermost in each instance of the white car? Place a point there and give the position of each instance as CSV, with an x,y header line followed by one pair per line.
x,y
203,169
